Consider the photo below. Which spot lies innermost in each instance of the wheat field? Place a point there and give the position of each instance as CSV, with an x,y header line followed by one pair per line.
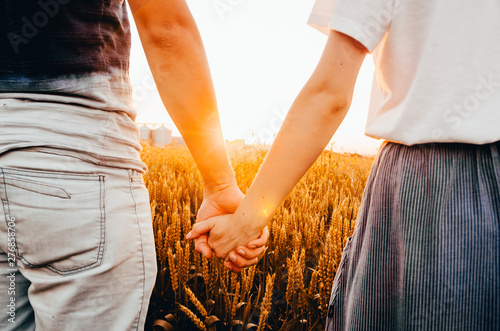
x,y
289,288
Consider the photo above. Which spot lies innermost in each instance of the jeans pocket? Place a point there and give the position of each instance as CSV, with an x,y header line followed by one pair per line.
x,y
58,218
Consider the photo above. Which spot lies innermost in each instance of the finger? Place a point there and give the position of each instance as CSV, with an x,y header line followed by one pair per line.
x,y
218,253
201,246
261,241
231,266
205,250
201,228
202,239
250,254
241,262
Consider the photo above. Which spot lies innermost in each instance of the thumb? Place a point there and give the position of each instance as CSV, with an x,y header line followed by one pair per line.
x,y
201,228
261,241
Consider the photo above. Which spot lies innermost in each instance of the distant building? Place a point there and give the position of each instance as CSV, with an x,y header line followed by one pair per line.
x,y
162,136
153,134
145,134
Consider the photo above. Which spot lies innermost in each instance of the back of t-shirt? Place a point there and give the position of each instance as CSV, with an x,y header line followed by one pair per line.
x,y
64,80
437,64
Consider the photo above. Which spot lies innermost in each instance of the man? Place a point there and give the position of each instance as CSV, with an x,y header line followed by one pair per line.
x,y
77,248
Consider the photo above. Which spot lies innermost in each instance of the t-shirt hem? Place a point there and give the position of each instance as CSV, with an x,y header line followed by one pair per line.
x,y
325,23
353,30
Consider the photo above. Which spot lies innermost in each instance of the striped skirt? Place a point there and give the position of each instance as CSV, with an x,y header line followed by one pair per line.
x,y
425,253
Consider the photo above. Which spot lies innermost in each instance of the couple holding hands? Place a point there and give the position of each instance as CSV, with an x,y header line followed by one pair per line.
x,y
425,252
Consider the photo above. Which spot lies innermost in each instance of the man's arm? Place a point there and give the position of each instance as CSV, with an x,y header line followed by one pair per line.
x,y
177,59
310,124
176,55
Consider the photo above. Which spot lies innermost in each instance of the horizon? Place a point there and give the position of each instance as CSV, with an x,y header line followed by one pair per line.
x,y
259,61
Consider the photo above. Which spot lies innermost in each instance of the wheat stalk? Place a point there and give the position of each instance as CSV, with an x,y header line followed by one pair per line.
x,y
265,307
173,270
192,316
196,302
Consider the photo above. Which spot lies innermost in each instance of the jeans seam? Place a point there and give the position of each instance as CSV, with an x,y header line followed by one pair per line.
x,y
45,174
56,191
142,254
5,203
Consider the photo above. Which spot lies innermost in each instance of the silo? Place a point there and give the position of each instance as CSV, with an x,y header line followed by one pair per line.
x,y
145,134
162,136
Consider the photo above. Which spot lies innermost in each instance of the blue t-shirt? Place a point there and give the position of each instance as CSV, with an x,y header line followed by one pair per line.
x,y
64,80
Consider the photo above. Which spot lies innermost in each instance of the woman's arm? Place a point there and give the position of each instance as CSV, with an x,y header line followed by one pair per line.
x,y
310,124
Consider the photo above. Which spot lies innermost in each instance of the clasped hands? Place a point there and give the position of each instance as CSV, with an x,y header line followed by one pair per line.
x,y
219,231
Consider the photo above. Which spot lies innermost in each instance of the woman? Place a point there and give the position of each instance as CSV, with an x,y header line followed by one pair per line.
x,y
425,254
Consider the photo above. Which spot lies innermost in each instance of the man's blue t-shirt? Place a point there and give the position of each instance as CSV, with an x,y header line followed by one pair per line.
x,y
64,80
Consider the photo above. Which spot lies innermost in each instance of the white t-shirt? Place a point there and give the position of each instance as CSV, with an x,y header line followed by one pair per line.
x,y
437,66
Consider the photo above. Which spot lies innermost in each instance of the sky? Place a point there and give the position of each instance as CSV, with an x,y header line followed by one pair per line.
x,y
261,53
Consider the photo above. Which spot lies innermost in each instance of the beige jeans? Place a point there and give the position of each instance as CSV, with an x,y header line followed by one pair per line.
x,y
77,247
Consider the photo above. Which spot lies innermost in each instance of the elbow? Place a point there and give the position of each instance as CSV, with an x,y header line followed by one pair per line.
x,y
162,36
170,36
338,103
169,32
335,101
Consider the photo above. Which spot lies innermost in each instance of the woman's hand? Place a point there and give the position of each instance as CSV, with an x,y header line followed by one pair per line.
x,y
246,256
221,202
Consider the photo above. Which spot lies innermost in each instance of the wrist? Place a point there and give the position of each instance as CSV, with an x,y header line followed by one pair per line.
x,y
217,187
253,222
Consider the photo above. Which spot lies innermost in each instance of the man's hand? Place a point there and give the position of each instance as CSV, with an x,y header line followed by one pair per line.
x,y
231,239
220,202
